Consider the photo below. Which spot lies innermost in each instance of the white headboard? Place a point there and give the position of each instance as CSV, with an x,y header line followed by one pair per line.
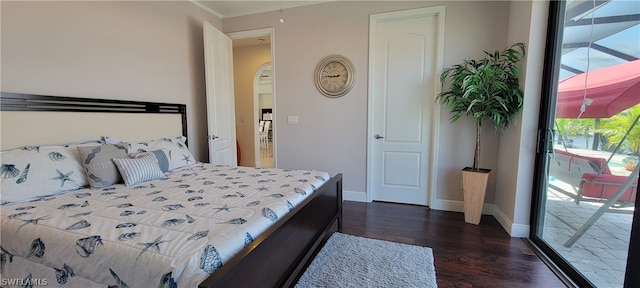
x,y
48,120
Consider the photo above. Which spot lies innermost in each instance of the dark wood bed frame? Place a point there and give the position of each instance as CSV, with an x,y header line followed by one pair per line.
x,y
278,257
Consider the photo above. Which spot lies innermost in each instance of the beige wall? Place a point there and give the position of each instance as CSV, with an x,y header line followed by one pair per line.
x,y
152,51
246,62
332,133
518,144
148,51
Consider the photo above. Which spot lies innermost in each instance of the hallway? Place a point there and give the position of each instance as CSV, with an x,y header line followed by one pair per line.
x,y
266,155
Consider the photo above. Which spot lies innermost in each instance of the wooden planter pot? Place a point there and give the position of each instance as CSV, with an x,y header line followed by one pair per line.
x,y
474,187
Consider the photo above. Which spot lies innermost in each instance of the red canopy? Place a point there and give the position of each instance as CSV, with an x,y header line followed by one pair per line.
x,y
612,89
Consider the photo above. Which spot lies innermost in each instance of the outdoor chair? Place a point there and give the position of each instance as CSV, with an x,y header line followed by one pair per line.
x,y
604,186
582,171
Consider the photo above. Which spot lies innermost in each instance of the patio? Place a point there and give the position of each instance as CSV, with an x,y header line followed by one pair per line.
x,y
598,82
601,253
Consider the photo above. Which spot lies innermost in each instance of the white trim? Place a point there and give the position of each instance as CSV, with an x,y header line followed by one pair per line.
x,y
354,196
515,230
458,206
520,230
432,178
257,145
251,33
205,8
273,7
447,205
372,40
435,147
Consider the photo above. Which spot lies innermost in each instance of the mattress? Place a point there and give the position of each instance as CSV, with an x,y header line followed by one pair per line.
x,y
163,233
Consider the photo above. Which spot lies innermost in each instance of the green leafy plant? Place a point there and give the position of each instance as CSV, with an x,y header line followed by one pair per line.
x,y
485,89
616,127
579,127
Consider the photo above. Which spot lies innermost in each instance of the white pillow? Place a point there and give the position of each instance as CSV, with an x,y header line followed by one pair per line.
x,y
138,170
177,151
37,171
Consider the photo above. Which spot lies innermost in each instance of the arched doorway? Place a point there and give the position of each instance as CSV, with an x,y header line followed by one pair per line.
x,y
264,109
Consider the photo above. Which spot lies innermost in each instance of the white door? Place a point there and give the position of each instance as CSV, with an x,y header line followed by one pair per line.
x,y
218,58
405,59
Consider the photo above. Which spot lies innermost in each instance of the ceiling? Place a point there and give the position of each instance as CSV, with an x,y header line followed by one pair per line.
x,y
598,34
606,32
226,9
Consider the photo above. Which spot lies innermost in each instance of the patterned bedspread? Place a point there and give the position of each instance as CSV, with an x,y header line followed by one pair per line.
x,y
156,234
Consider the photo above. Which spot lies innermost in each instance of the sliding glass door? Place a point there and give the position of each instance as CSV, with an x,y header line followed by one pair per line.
x,y
589,142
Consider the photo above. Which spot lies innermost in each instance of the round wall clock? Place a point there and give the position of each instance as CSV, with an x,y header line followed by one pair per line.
x,y
335,76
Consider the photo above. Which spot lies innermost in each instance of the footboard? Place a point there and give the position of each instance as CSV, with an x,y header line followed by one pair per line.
x,y
279,256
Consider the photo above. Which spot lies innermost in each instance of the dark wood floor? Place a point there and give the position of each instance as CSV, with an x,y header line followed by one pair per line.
x,y
465,255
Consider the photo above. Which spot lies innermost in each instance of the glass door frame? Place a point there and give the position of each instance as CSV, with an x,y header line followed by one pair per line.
x,y
544,146
633,259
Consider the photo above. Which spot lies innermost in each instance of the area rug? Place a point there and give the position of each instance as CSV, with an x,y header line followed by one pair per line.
x,y
351,261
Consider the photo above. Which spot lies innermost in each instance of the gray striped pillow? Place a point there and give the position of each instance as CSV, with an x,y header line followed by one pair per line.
x,y
160,154
138,170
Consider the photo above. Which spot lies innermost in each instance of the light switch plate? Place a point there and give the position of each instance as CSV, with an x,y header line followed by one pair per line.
x,y
292,120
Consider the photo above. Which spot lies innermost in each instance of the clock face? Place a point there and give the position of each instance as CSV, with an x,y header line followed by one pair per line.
x,y
335,76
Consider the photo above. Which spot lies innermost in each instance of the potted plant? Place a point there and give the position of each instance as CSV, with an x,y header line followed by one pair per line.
x,y
630,162
487,89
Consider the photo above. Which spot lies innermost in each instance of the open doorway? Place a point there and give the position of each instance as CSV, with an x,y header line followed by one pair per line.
x,y
263,95
254,91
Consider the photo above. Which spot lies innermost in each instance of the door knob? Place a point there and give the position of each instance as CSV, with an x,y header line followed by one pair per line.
x,y
378,136
214,137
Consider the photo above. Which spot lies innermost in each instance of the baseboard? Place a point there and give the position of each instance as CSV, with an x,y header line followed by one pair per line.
x,y
354,196
458,206
514,230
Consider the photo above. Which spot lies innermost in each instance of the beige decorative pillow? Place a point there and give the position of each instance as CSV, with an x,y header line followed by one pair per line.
x,y
101,171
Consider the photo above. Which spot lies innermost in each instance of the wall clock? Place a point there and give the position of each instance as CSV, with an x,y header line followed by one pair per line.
x,y
335,76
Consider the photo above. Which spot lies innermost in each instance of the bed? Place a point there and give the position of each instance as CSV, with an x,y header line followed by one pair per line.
x,y
162,232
